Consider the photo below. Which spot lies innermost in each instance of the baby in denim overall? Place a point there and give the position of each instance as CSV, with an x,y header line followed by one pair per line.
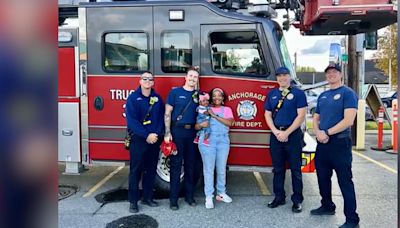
x,y
203,116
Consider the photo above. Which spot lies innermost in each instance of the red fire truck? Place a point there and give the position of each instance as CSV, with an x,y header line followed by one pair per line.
x,y
100,62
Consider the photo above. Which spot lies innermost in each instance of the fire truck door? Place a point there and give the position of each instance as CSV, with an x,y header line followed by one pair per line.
x,y
241,66
120,44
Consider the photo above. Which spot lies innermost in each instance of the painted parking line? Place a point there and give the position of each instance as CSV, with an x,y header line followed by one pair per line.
x,y
376,162
103,181
261,184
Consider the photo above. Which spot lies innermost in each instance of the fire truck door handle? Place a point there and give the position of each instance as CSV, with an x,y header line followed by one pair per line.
x,y
99,103
67,132
83,76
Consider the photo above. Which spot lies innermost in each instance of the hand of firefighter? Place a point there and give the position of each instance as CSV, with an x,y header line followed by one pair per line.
x,y
322,137
282,136
167,137
152,138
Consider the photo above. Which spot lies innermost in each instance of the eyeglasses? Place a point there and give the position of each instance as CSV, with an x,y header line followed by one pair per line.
x,y
148,79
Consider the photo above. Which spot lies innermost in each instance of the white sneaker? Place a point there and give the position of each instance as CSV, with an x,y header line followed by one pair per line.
x,y
224,198
209,202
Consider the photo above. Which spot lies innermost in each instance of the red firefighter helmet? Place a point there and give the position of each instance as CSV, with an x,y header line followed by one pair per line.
x,y
168,148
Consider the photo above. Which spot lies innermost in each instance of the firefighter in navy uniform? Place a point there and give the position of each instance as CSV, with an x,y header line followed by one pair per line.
x,y
285,110
144,115
180,119
335,114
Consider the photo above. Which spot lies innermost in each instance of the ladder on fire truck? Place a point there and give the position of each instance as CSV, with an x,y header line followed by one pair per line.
x,y
312,17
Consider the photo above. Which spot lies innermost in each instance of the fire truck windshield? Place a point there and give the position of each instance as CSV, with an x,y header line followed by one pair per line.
x,y
286,56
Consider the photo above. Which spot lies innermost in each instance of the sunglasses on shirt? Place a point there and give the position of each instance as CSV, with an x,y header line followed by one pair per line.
x,y
148,79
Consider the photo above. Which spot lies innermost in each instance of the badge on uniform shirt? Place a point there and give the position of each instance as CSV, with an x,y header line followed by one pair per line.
x,y
153,100
336,97
290,96
195,97
247,110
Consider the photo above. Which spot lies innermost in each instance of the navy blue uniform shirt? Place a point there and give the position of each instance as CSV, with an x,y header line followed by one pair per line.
x,y
137,106
288,111
179,98
331,105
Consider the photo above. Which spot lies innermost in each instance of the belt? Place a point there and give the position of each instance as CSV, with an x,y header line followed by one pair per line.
x,y
186,126
282,128
340,135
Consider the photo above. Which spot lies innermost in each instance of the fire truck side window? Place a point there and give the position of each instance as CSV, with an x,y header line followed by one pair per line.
x,y
176,52
237,52
126,52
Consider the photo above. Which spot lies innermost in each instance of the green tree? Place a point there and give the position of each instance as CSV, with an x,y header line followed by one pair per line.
x,y
387,49
305,69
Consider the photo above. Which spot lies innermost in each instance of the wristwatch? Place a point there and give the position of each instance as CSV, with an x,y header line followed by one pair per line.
x,y
326,132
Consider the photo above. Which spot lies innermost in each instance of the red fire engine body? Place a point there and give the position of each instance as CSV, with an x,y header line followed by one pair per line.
x,y
100,63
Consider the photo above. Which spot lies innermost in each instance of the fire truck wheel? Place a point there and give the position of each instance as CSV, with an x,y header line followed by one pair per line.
x,y
162,178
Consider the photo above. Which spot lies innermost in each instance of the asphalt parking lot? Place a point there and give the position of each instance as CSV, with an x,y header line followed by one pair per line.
x,y
375,177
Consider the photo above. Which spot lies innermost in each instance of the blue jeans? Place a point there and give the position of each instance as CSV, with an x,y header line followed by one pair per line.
x,y
215,156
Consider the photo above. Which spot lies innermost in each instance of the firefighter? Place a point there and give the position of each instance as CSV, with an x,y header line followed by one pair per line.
x,y
285,110
334,115
180,119
144,115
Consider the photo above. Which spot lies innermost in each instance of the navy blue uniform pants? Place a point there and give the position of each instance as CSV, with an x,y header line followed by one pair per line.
x,y
282,152
188,155
143,161
336,155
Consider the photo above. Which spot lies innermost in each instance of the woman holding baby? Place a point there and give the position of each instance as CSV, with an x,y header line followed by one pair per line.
x,y
215,152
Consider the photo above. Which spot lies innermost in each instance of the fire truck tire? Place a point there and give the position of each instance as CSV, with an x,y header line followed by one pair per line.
x,y
161,183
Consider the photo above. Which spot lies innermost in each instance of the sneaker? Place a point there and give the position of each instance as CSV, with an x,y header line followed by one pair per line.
x,y
209,202
224,198
206,142
196,140
323,211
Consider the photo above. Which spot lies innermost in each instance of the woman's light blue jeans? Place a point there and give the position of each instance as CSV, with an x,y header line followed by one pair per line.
x,y
214,157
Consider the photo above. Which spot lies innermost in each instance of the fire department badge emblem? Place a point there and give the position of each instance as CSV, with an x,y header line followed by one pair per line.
x,y
247,110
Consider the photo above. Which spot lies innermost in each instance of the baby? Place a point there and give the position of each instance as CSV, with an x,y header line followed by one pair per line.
x,y
203,116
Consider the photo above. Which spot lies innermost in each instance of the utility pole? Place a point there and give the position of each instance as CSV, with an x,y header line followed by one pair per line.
x,y
352,79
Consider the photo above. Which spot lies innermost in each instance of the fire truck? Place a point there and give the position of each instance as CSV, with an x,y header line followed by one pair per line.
x,y
237,46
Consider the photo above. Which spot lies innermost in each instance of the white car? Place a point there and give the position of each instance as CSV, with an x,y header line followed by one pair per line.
x,y
312,98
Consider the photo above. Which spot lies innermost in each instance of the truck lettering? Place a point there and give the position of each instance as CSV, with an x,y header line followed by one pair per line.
x,y
257,96
120,94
